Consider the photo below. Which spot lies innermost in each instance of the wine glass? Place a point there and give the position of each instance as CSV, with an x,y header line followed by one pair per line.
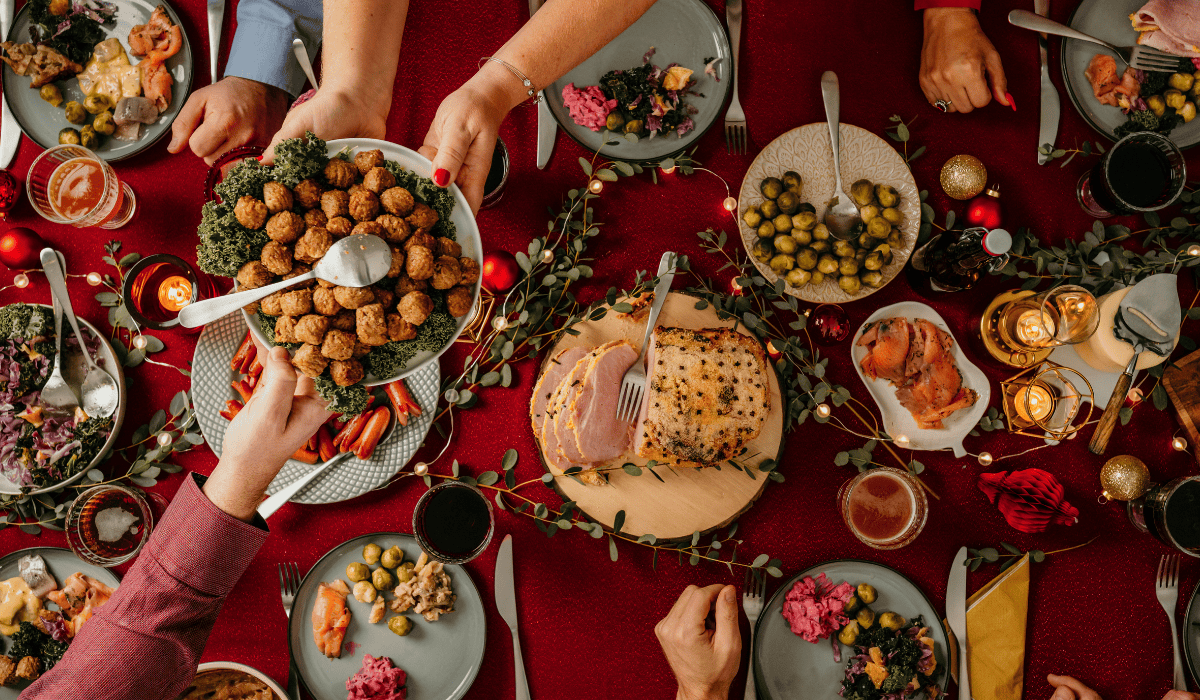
x,y
69,184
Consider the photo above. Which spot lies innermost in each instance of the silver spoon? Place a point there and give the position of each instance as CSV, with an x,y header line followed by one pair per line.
x,y
56,393
355,261
305,64
99,390
841,217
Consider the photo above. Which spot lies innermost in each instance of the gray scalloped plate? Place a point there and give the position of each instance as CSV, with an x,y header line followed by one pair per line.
x,y
41,122
1191,634
211,378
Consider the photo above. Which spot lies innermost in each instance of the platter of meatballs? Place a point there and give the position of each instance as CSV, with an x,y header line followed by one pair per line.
x,y
416,311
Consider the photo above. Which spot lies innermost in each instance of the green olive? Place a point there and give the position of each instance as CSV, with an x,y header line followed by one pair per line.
x,y
848,266
843,249
862,192
614,121
879,227
794,183
371,553
788,202
1181,81
891,621
382,579
820,232
806,259
872,279
782,263
802,237
1157,104
88,138
893,215
401,625
873,261
849,634
763,250
51,94
821,246
1174,98
752,216
771,187
805,220
769,209
364,592
786,244
96,104
75,112
391,558
633,126
357,571
766,230
887,196
868,212
104,124
782,223
68,135
817,277
1187,111
850,285
798,278
827,264
867,594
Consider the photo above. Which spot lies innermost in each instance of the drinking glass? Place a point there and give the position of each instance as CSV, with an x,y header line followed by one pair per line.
x,y
858,502
99,526
1142,172
1063,315
453,522
1171,513
110,205
497,179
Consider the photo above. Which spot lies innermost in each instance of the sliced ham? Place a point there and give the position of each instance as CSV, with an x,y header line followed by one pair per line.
x,y
560,366
1169,25
599,436
564,399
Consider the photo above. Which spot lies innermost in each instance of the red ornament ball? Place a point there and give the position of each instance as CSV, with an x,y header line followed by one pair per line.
x,y
985,210
829,324
1030,499
500,271
9,192
20,248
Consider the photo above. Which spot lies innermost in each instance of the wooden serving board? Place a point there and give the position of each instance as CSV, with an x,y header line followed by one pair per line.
x,y
686,500
1182,382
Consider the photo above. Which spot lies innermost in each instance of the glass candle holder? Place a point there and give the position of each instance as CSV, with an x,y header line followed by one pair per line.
x,y
1045,401
108,524
1142,172
885,508
1022,328
497,179
453,522
224,164
69,184
157,288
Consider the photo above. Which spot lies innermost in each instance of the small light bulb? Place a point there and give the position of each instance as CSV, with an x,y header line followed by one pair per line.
x,y
730,204
420,469
823,410
737,288
548,256
1134,396
595,186
94,279
668,171
140,342
1178,444
902,440
985,459
164,439
21,280
500,323
1194,249
807,313
772,350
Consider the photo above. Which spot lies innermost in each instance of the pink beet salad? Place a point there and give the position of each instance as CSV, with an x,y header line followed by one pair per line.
x,y
815,608
378,679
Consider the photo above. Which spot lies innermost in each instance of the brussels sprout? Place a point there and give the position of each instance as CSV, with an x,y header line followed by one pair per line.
x,y
893,215
763,250
788,202
771,187
894,239
794,183
382,579
885,252
769,209
364,592
860,255
75,112
782,263
614,121
633,126
865,617
862,192
371,553
51,94
1181,81
852,605
802,237
1157,105
849,634
886,195
1174,99
104,124
96,104
357,571
88,138
867,594
879,227
391,558
782,223
891,621
798,277
821,246
868,212
848,266
806,259
786,244
873,261
820,232
766,230
752,216
1187,111
806,207
805,220
404,572
843,249
827,264
872,279
401,625
850,285
68,135
818,277
865,240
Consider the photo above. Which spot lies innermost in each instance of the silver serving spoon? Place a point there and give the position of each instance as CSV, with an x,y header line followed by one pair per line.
x,y
305,64
355,261
841,216
56,393
99,390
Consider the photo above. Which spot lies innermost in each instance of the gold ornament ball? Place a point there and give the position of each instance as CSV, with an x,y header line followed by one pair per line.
x,y
1124,478
420,469
963,177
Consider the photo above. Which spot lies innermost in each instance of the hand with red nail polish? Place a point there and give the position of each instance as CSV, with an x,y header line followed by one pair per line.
x,y
958,62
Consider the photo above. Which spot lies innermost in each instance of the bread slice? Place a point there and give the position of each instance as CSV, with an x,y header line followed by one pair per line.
x,y
707,395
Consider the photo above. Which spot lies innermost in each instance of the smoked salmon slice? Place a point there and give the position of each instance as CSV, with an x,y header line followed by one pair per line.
x,y
917,358
1111,89
331,617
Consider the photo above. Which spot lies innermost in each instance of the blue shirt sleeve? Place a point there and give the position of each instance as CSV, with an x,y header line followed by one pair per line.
x,y
262,44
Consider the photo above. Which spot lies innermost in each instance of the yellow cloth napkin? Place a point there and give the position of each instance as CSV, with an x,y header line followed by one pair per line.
x,y
996,627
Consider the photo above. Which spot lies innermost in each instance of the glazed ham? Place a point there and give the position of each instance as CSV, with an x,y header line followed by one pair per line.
x,y
1108,87
592,419
927,380
560,366
1169,25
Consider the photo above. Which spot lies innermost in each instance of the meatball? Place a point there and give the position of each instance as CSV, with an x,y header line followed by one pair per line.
x,y
277,258
315,217
313,246
445,246
324,302
421,238
397,268
355,188
272,305
297,302
343,321
446,273
406,284
470,270
285,330
372,327
297,270
384,298
397,200
277,197
353,297
250,212
335,203
399,329
346,373
340,173
364,205
422,218
368,228
253,275
360,350
312,329
415,307
338,345
310,361
395,229
366,160
459,301
285,227
339,226
308,194
419,265
379,180
252,307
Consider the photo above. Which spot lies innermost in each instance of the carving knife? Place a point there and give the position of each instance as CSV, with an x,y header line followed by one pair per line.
x,y
1051,103
506,603
956,615
547,129
216,17
10,132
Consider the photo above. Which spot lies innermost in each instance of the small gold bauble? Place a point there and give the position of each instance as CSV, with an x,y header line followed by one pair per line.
x,y
985,459
963,177
420,469
1124,478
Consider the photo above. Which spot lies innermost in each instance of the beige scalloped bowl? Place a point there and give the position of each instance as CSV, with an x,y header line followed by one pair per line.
x,y
806,150
280,694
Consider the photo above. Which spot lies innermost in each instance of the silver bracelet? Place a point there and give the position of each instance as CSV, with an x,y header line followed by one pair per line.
x,y
533,94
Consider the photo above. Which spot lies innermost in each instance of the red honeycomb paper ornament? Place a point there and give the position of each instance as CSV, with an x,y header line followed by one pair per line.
x,y
1030,500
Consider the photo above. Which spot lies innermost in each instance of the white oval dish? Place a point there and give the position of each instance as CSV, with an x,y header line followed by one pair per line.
x,y
896,419
231,666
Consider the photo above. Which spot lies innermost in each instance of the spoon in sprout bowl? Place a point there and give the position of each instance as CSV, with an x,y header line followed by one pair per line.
x,y
355,261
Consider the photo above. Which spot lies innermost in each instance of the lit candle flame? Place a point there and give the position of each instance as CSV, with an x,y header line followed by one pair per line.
x,y
174,293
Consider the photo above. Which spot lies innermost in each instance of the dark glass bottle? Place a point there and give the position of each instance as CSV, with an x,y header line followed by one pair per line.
x,y
953,261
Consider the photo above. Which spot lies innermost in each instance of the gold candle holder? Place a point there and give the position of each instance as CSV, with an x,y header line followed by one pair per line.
x,y
1021,328
1045,401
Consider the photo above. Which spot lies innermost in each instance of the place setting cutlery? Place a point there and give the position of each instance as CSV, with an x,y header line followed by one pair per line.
x,y
289,584
956,616
753,593
1051,103
547,128
10,131
216,18
633,384
506,603
1166,588
735,117
1138,56
841,214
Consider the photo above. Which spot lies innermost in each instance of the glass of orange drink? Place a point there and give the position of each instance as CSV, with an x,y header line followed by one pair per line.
x,y
69,184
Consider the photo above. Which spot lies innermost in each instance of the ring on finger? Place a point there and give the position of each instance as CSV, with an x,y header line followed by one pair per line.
x,y
943,105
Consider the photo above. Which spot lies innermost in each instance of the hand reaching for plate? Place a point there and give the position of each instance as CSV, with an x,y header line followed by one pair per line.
x,y
1068,688
958,61
229,113
704,660
333,114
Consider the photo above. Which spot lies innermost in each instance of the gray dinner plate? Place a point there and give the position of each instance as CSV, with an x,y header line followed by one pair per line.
x,y
684,32
441,658
41,122
1107,20
60,563
211,388
1191,635
789,668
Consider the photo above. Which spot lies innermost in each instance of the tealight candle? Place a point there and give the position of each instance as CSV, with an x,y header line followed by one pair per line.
x,y
1035,328
1034,403
174,293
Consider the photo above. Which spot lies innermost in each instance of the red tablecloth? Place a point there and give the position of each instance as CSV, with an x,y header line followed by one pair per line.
x,y
587,622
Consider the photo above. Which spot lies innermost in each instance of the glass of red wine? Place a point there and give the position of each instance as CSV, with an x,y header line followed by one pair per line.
x,y
108,524
1171,512
453,522
497,179
1142,172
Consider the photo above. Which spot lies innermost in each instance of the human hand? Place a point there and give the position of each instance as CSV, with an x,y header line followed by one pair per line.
x,y
958,62
333,113
280,416
704,661
229,113
1068,688
1180,695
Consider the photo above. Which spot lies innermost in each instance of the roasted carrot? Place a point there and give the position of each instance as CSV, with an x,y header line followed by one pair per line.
x,y
239,357
255,367
251,380
325,446
402,401
251,358
232,408
373,431
344,439
243,388
312,443
305,455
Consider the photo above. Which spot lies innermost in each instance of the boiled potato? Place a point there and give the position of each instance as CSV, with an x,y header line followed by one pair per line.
x,y
1157,104
1173,98
849,634
867,594
891,621
1187,111
364,592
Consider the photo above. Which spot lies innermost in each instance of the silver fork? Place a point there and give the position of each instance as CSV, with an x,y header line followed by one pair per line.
x,y
289,584
752,603
1138,57
633,384
735,118
56,393
1167,588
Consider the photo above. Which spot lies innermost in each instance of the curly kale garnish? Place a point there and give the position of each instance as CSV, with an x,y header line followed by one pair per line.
x,y
27,641
299,159
350,400
424,190
74,34
226,245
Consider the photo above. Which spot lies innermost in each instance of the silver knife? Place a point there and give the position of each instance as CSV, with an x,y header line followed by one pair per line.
x,y
506,603
956,615
10,131
1051,103
216,17
547,129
